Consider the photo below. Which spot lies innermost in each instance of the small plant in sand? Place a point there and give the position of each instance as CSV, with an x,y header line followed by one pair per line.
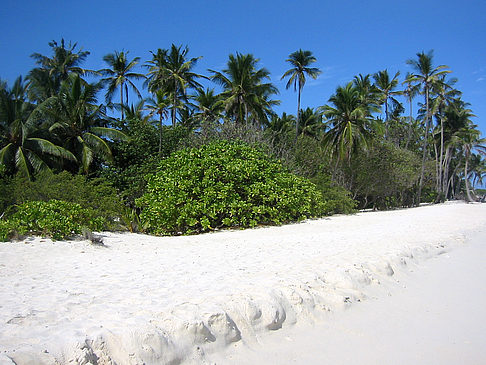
x,y
224,184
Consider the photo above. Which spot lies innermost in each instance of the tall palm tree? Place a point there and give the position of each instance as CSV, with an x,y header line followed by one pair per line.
x,y
300,61
471,140
120,76
425,74
159,106
348,119
45,80
246,96
79,122
410,93
442,94
171,70
23,146
386,87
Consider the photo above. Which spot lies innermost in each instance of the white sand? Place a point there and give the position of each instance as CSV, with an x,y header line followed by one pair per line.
x,y
194,299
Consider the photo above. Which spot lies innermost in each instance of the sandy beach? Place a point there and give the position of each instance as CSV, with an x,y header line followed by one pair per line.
x,y
226,297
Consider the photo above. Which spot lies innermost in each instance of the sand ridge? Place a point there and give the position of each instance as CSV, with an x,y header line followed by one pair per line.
x,y
171,300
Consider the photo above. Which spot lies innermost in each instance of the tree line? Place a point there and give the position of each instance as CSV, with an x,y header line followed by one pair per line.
x,y
367,142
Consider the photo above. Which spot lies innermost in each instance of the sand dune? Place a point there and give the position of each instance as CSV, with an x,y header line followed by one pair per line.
x,y
160,300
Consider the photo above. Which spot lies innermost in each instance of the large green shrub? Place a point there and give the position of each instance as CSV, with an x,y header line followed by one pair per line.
x,y
224,184
57,219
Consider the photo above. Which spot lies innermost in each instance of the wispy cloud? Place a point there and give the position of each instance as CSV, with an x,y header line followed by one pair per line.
x,y
480,73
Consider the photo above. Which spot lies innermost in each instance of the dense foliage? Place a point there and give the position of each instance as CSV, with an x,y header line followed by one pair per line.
x,y
224,184
380,141
95,194
56,218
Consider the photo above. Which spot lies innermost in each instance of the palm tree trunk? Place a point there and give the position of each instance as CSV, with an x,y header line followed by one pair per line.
x,y
121,101
466,181
174,110
410,124
441,172
298,114
386,117
424,146
160,132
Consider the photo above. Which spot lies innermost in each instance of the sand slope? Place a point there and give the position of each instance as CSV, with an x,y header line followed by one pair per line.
x,y
159,300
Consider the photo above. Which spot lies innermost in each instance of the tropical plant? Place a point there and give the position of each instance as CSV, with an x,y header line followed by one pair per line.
x,y
55,218
45,80
159,106
311,123
79,122
119,75
425,75
23,147
300,61
171,71
224,184
246,96
348,119
386,87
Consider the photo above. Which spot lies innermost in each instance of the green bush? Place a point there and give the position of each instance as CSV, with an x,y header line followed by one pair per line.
x,y
57,219
96,194
336,199
224,184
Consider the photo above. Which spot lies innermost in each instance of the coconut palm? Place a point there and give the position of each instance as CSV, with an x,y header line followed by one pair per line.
x,y
311,123
120,76
159,106
386,86
425,75
470,138
172,72
410,92
348,119
442,94
45,80
23,146
208,105
78,121
300,61
246,96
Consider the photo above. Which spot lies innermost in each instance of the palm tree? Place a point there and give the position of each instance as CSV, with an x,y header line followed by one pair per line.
x,y
245,94
280,127
159,106
348,119
120,76
45,80
470,138
79,122
385,86
425,75
300,61
410,92
23,147
208,105
172,72
311,123
442,94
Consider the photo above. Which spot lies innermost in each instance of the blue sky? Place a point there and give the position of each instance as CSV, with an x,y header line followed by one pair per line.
x,y
347,37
